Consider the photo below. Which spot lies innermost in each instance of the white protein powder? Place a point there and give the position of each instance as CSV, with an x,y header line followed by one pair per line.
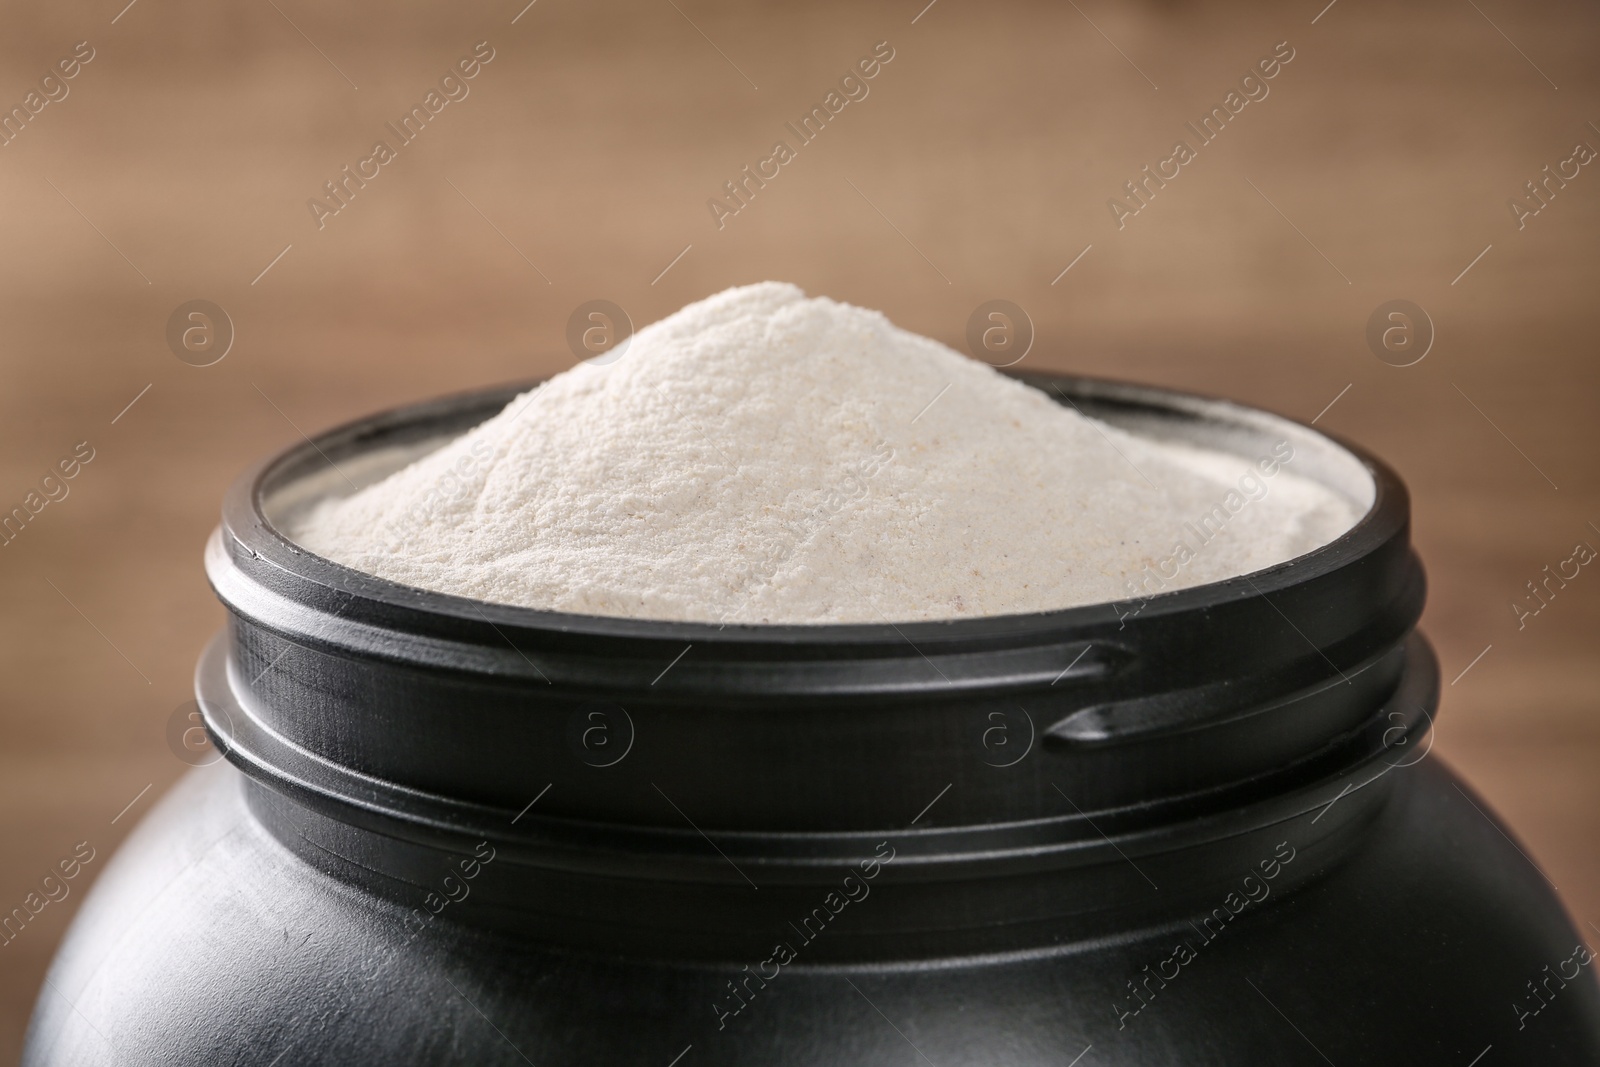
x,y
762,457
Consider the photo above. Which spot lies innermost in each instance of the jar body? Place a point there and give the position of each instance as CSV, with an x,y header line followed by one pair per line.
x,y
1427,939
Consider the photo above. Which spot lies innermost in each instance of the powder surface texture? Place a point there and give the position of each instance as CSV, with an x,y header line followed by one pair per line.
x,y
762,457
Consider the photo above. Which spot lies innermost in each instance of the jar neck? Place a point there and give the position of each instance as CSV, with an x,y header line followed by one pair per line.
x,y
908,890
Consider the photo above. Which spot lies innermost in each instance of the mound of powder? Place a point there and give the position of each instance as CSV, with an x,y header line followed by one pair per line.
x,y
763,457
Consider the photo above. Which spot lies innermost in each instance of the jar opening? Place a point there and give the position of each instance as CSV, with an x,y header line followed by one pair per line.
x,y
1219,439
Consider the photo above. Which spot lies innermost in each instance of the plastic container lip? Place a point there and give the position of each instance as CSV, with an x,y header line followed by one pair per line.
x,y
259,502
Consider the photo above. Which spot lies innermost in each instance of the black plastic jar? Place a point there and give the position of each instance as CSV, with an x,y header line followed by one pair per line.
x,y
1196,828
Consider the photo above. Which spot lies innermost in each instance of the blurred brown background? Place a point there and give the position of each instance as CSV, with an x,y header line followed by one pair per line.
x,y
1379,167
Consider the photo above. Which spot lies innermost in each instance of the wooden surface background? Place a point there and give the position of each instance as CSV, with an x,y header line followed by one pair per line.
x,y
979,166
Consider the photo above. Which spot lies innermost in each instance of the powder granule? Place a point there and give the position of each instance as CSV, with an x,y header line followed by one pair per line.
x,y
763,457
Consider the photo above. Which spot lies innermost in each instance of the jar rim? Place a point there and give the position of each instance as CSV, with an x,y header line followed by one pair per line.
x,y
249,522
